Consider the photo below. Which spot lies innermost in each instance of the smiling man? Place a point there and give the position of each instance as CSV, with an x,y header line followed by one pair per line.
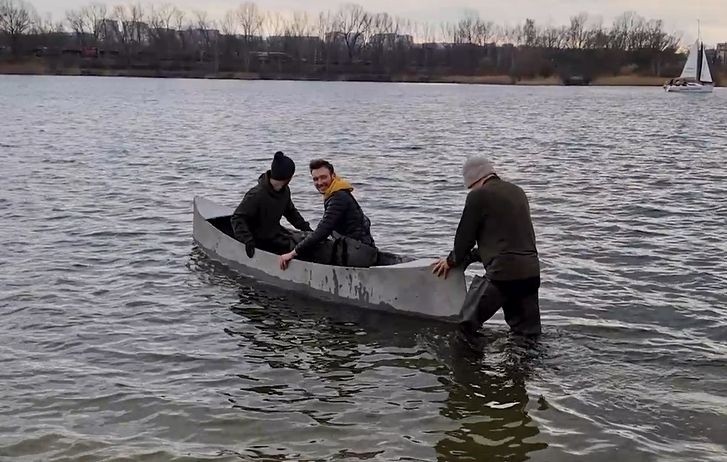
x,y
343,219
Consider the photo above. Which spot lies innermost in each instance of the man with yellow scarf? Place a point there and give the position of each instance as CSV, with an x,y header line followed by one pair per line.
x,y
343,220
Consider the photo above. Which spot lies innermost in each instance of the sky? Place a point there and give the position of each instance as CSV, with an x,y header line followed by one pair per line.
x,y
679,16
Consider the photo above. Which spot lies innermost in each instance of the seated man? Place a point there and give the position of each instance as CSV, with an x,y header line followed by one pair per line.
x,y
343,219
256,221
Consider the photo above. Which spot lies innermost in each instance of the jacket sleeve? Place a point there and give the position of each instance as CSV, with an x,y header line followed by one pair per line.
x,y
472,257
335,211
466,236
247,210
295,218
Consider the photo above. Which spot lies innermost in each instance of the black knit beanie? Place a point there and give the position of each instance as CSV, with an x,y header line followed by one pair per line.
x,y
283,167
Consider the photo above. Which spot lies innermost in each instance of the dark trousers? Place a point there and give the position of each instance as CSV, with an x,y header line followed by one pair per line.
x,y
340,251
281,243
518,300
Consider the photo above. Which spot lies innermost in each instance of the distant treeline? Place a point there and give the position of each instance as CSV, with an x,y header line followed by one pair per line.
x,y
349,40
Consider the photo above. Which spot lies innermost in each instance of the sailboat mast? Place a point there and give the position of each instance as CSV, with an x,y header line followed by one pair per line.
x,y
699,30
699,62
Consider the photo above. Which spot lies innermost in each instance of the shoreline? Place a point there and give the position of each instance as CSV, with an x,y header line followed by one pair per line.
x,y
611,81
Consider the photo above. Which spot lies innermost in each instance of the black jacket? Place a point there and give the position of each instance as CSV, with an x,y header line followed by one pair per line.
x,y
343,215
257,218
496,217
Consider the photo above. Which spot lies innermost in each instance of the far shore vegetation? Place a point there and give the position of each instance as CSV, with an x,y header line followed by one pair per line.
x,y
350,43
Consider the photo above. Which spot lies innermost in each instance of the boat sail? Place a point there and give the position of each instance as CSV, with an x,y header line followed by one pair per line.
x,y
696,76
705,76
690,70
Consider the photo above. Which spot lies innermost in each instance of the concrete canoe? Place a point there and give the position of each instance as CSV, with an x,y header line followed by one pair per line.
x,y
408,288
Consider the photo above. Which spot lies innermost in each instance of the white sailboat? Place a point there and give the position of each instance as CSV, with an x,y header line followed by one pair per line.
x,y
695,77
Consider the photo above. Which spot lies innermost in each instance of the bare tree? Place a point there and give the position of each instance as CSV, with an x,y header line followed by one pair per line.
x,y
322,28
77,23
45,25
512,35
596,35
382,37
162,17
381,28
251,20
530,33
133,32
425,32
577,33
448,32
228,23
275,24
599,38
163,28
298,32
95,16
300,25
352,22
622,31
177,19
466,28
382,23
660,40
119,15
139,31
649,35
547,37
322,25
484,31
205,28
16,19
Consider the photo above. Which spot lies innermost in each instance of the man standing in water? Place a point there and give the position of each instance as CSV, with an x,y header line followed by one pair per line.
x,y
496,217
256,221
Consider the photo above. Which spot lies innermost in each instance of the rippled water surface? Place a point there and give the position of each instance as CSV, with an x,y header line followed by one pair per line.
x,y
118,339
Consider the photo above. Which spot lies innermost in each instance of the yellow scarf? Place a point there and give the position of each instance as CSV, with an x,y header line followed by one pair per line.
x,y
338,184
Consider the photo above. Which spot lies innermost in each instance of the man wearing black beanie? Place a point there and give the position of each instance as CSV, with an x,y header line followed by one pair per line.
x,y
256,221
282,168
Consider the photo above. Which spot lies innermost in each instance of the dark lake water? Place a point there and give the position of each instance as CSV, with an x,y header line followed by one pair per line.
x,y
120,341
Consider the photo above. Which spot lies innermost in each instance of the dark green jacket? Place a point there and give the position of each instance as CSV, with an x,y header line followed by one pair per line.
x,y
496,217
257,218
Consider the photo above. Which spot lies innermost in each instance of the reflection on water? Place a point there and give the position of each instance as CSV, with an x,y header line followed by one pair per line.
x,y
488,399
321,360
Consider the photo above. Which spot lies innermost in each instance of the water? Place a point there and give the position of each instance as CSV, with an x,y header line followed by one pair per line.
x,y
119,340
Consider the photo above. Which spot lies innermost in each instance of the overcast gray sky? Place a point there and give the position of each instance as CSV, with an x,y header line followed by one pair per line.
x,y
678,15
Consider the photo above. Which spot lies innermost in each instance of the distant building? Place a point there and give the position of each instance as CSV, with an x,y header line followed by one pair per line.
x,y
275,57
433,46
137,31
199,37
108,31
249,38
722,52
335,37
299,39
391,40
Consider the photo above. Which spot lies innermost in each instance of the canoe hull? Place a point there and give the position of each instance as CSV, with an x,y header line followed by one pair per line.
x,y
408,288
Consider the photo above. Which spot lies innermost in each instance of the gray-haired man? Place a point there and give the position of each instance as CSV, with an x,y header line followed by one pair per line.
x,y
496,217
